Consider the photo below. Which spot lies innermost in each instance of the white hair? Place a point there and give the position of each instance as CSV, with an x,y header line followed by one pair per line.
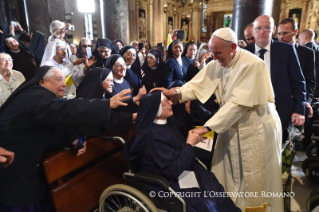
x,y
55,24
50,73
85,39
131,44
6,54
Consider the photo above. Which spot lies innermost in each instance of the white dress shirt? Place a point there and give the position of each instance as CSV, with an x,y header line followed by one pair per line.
x,y
266,55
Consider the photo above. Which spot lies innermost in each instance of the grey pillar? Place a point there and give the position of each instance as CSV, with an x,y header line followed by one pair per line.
x,y
116,19
38,17
246,11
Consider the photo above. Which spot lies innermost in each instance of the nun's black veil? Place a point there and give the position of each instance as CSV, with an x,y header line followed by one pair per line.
x,y
136,66
170,49
187,47
91,85
146,115
32,80
101,42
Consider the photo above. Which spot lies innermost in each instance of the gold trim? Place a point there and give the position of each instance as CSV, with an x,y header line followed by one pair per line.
x,y
257,209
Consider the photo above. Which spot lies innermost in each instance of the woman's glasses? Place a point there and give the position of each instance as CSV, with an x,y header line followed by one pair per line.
x,y
85,46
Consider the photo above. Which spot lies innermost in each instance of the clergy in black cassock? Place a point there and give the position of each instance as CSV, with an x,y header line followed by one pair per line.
x,y
176,66
27,121
162,150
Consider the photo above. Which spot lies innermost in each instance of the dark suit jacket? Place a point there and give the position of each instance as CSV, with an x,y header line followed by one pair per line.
x,y
315,47
307,63
287,80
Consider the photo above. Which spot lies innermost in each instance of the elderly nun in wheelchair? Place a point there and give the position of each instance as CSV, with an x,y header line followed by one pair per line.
x,y
159,148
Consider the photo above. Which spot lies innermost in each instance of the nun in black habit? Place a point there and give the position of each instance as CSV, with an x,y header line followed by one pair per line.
x,y
23,59
102,52
162,150
27,121
117,46
97,84
176,66
153,70
133,68
117,64
190,55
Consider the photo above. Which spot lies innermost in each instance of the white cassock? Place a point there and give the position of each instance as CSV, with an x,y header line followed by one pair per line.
x,y
247,156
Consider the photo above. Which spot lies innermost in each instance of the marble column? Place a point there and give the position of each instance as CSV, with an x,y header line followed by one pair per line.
x,y
246,11
133,20
150,22
158,23
38,17
116,20
276,11
197,22
303,20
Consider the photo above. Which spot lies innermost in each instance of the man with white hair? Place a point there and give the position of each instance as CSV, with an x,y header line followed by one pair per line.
x,y
58,30
247,156
9,79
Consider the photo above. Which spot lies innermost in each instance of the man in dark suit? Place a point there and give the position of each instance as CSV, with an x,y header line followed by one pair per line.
x,y
306,38
286,76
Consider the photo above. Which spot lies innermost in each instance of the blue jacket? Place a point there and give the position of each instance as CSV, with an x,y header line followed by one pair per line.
x,y
287,80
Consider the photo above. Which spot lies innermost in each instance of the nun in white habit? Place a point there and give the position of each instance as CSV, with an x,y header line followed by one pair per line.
x,y
55,55
247,156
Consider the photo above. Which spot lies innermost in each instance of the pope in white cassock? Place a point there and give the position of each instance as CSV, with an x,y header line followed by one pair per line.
x,y
247,156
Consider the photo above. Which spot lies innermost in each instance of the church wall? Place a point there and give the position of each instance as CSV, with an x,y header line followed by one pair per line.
x,y
158,13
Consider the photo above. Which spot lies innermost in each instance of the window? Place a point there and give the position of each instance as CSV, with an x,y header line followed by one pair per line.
x,y
88,26
204,18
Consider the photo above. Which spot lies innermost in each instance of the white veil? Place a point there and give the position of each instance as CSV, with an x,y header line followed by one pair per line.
x,y
50,51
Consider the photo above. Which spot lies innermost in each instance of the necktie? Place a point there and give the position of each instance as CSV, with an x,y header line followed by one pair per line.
x,y
261,53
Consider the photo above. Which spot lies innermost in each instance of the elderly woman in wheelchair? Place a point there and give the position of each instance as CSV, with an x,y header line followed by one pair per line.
x,y
159,149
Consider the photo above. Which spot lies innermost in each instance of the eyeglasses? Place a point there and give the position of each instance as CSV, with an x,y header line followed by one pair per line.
x,y
166,103
283,33
6,60
85,46
266,29
61,48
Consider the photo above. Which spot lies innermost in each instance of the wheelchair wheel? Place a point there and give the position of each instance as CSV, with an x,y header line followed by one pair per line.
x,y
312,203
314,192
307,162
314,173
124,198
311,150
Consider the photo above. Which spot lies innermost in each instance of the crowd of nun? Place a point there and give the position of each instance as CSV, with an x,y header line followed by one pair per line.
x,y
62,94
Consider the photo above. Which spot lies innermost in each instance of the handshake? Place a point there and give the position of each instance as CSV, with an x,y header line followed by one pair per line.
x,y
195,135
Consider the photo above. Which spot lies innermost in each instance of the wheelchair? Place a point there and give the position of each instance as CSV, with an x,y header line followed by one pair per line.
x,y
134,196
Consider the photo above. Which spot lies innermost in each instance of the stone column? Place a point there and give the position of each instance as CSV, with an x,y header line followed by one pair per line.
x,y
303,19
115,17
38,16
197,21
133,20
283,11
150,21
158,23
276,11
246,11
